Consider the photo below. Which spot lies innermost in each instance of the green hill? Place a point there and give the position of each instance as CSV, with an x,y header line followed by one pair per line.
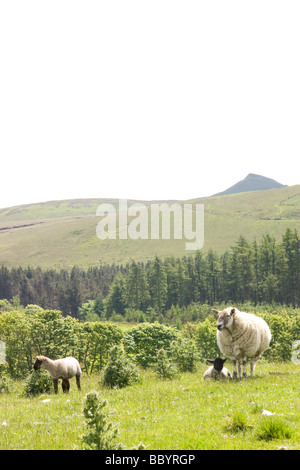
x,y
60,234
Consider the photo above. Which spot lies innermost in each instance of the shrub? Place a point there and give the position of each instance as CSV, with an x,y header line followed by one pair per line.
x,y
206,338
145,340
100,435
165,367
40,331
283,333
38,382
185,354
119,371
97,339
5,305
6,384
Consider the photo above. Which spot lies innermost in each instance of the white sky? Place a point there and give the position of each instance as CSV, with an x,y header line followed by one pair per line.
x,y
147,99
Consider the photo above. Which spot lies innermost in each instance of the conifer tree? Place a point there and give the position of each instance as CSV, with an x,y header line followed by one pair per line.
x,y
136,292
157,279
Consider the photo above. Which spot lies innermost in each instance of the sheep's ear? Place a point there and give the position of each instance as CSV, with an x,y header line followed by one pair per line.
x,y
224,360
232,311
211,361
216,311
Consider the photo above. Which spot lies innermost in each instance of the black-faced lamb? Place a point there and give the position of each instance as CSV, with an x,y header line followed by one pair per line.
x,y
217,370
241,336
64,369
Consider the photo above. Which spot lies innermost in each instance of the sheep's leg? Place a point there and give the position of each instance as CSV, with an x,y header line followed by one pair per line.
x,y
253,363
55,383
234,369
239,369
78,381
252,367
244,367
65,385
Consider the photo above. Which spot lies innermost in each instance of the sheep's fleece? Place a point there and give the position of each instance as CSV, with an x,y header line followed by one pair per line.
x,y
242,335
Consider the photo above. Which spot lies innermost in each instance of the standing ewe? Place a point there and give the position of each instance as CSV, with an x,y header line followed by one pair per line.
x,y
217,370
63,369
241,336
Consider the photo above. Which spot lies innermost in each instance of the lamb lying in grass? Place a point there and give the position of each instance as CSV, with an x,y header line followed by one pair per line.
x,y
63,369
241,336
217,370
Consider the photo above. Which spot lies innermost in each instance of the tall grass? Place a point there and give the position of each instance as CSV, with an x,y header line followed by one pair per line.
x,y
274,428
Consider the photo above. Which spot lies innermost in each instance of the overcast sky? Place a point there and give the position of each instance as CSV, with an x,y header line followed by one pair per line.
x,y
149,99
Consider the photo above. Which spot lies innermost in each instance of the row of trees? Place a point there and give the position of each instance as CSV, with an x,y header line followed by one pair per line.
x,y
262,272
63,290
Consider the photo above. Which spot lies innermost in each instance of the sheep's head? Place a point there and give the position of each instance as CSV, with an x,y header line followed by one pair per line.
x,y
38,362
225,317
218,363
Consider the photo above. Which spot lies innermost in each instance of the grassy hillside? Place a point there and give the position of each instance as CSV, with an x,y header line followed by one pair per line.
x,y
60,234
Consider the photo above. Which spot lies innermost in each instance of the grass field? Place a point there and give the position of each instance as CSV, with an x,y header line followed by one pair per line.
x,y
185,413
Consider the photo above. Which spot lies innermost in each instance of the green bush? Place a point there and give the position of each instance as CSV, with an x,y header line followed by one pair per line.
x,y
284,330
206,338
40,331
145,340
185,354
38,382
97,338
119,371
165,368
6,384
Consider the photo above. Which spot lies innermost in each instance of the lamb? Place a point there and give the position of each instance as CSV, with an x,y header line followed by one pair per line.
x,y
217,370
241,336
63,369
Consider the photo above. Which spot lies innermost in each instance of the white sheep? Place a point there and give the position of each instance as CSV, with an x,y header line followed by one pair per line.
x,y
217,370
241,336
63,369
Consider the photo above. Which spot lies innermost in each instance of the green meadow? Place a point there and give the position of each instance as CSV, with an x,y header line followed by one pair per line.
x,y
184,413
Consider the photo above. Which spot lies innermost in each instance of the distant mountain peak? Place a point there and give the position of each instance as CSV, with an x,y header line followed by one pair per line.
x,y
252,182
